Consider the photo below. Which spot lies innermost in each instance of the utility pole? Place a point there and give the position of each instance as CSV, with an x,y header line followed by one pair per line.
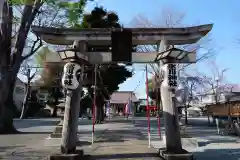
x,y
148,110
94,111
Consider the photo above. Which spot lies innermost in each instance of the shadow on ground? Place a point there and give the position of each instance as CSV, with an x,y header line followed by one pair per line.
x,y
201,144
4,148
119,120
83,143
120,136
26,123
220,154
79,133
145,156
84,122
144,123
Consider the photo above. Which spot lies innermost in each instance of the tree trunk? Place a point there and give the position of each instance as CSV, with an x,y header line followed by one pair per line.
x,y
208,120
81,112
11,61
158,102
89,113
97,109
9,102
186,116
55,109
97,114
8,110
101,116
7,126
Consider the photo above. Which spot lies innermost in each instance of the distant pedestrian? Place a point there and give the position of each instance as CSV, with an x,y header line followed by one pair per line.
x,y
126,110
108,109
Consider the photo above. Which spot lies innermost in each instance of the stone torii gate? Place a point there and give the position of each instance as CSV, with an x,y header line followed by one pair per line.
x,y
167,57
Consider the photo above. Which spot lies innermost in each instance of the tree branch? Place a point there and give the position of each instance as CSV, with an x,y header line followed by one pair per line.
x,y
34,48
32,76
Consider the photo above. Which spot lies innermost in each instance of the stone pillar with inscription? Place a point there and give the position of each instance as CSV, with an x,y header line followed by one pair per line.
x,y
72,83
170,115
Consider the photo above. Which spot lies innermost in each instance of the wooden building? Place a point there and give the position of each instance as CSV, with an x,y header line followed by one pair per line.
x,y
119,99
230,107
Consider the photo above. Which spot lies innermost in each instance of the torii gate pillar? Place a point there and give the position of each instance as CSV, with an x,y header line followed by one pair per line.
x,y
173,138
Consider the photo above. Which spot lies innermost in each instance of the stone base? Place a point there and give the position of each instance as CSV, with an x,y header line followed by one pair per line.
x,y
186,142
57,133
185,155
61,122
58,129
79,155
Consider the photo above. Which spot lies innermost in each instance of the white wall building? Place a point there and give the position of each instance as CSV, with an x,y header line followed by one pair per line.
x,y
223,94
19,93
211,98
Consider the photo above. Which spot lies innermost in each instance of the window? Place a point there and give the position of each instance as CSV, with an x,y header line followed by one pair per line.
x,y
19,90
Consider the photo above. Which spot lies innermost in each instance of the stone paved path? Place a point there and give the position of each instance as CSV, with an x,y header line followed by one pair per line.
x,y
29,144
116,139
122,141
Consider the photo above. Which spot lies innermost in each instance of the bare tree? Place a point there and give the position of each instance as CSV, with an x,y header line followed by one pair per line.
x,y
12,55
27,71
12,46
170,19
215,83
190,86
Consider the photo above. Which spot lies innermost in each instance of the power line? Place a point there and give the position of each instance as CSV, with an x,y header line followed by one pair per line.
x,y
139,82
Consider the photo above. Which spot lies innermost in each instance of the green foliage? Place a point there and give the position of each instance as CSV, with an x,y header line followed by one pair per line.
x,y
50,78
150,85
73,10
54,94
113,74
152,91
50,75
21,2
100,18
64,4
40,56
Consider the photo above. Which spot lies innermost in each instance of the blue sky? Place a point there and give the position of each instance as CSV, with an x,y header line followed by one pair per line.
x,y
224,14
